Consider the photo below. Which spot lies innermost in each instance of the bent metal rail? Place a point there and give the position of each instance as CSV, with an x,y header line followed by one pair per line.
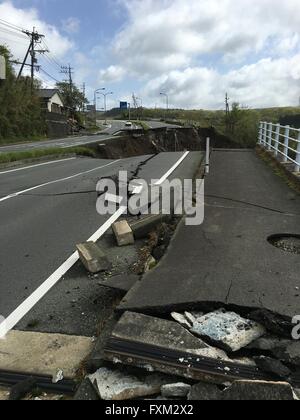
x,y
284,141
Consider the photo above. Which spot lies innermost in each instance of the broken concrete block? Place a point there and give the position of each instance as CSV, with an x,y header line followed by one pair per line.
x,y
259,391
123,233
113,385
275,367
147,224
227,330
179,390
93,258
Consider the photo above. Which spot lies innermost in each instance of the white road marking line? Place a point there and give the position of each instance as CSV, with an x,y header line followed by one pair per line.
x,y
171,170
15,317
56,181
37,165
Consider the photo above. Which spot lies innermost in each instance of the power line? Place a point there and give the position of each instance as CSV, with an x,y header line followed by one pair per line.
x,y
11,25
16,34
49,75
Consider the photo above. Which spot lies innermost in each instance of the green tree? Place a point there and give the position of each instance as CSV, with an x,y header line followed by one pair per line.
x,y
20,115
72,97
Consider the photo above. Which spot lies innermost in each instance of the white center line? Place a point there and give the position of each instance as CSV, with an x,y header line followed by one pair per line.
x,y
15,317
35,166
171,170
16,194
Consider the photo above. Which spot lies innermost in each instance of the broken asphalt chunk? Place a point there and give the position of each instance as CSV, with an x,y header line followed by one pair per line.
x,y
273,366
259,391
93,258
123,233
227,330
113,385
244,391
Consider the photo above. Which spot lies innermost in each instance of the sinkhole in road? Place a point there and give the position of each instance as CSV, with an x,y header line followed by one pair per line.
x,y
286,242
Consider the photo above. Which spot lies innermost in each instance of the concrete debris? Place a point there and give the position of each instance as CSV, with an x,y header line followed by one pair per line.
x,y
275,367
173,350
123,233
205,392
179,390
259,391
150,264
93,258
288,351
58,376
227,330
181,319
244,391
113,385
86,392
147,224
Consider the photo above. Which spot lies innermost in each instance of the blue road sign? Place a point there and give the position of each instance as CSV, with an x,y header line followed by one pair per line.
x,y
123,105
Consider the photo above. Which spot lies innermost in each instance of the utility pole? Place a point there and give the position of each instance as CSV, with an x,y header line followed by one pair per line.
x,y
35,39
227,104
68,70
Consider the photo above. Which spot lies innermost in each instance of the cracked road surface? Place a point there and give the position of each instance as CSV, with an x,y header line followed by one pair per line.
x,y
40,227
228,259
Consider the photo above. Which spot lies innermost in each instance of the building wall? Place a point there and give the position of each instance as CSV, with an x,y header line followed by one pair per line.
x,y
55,104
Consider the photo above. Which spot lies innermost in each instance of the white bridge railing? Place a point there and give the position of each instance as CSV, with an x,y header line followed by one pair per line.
x,y
284,141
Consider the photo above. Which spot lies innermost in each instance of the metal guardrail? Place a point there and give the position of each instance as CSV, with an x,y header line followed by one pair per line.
x,y
284,141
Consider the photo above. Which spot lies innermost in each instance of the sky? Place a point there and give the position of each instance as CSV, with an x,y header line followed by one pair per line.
x,y
193,50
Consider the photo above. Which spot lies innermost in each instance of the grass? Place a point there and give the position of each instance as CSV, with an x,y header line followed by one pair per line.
x,y
35,154
18,140
142,124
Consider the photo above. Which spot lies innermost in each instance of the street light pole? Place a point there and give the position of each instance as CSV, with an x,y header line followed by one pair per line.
x,y
95,101
105,108
167,99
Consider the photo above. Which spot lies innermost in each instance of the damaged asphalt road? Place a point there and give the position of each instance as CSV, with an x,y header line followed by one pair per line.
x,y
41,230
228,260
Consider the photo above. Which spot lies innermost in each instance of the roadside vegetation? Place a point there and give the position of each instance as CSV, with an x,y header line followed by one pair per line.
x,y
240,125
20,115
53,152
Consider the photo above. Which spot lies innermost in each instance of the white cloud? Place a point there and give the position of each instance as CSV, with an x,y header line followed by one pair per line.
x,y
112,74
269,82
71,25
29,19
252,46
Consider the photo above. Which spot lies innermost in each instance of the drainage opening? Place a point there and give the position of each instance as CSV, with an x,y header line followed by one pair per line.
x,y
286,242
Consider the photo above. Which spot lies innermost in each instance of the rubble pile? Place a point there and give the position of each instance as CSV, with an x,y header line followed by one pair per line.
x,y
217,355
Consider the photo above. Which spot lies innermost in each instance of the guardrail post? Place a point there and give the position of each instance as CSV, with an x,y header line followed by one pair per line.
x,y
207,166
260,135
298,155
286,144
265,136
277,139
270,136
